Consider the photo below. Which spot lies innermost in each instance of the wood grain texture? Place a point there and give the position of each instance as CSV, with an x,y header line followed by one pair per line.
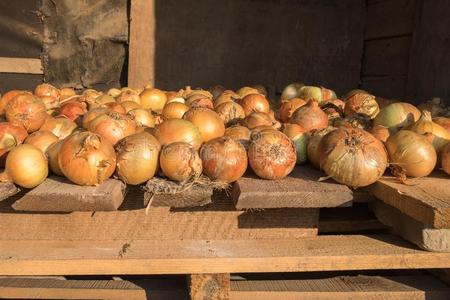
x,y
7,189
300,189
427,200
56,194
209,286
391,87
21,65
321,253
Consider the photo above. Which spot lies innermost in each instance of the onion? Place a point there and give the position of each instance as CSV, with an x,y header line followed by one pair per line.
x,y
256,119
300,139
195,102
361,103
356,121
61,127
333,112
216,91
28,110
46,89
327,94
254,102
380,132
261,89
129,105
230,112
352,157
52,155
396,116
445,159
292,91
246,90
11,135
73,110
50,102
7,97
337,102
153,99
311,93
223,159
412,153
435,106
41,140
271,154
104,99
226,96
177,100
440,136
26,166
114,92
188,92
172,95
178,130
174,110
114,106
310,117
207,121
92,114
180,162
287,108
313,145
383,102
86,158
240,134
129,95
444,122
137,157
142,117
66,93
355,91
112,126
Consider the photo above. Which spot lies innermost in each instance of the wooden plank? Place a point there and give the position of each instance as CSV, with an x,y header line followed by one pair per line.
x,y
321,253
390,18
430,239
343,287
209,286
21,65
141,57
391,87
300,189
7,189
57,194
426,200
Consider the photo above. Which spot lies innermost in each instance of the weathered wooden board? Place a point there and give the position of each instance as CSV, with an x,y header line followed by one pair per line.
x,y
209,286
393,87
7,189
300,189
426,200
20,65
321,253
57,194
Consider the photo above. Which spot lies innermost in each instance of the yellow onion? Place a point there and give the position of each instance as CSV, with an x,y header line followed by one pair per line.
x,y
311,93
66,93
435,106
444,122
86,158
129,95
73,110
129,105
114,106
180,161
90,95
287,108
46,89
142,117
226,96
207,121
105,98
352,157
256,119
50,102
254,103
112,126
200,101
153,99
291,91
412,153
41,140
216,91
313,145
245,91
310,117
355,91
137,157
178,130
188,92
355,121
327,94
396,116
62,127
223,159
114,92
174,110
445,159
300,139
7,97
92,114
361,103
240,134
380,132
52,155
27,110
230,112
11,135
176,100
26,166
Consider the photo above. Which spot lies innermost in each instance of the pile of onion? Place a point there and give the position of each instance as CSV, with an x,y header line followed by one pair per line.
x,y
411,153
47,90
41,140
445,159
153,99
61,126
27,110
223,159
271,154
230,112
7,97
86,158
352,157
73,109
254,103
287,108
180,162
112,126
240,134
142,117
361,103
396,116
178,130
174,110
207,121
310,117
137,157
313,145
300,139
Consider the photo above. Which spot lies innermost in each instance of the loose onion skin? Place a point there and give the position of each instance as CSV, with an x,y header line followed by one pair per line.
x,y
195,102
86,158
246,90
46,89
114,106
380,132
50,102
396,116
26,166
129,105
174,110
327,94
227,96
223,159
338,102
179,161
41,140
313,145
254,103
11,135
240,134
361,103
230,112
142,117
271,154
300,139
352,157
92,114
287,108
353,92
445,159
137,158
73,110
28,110
178,130
444,122
310,117
207,121
112,126
411,152
62,127
52,155
153,99
256,119
7,97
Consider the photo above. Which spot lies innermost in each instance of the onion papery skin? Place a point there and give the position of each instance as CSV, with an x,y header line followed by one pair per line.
x,y
256,119
52,155
61,127
445,159
114,92
230,113
129,95
86,158
291,91
300,139
114,106
46,89
180,162
153,99
73,110
254,103
177,100
188,92
27,110
338,102
240,134
26,166
207,121
313,145
327,94
435,106
356,121
271,154
112,126
174,110
11,135
287,108
7,97
129,105
41,140
308,93
178,130
310,117
50,102
353,92
361,103
380,132
200,102
66,93
142,117
223,159
90,95
413,153
444,122
352,157
137,158
245,91
216,91
440,136
396,116
92,114
227,96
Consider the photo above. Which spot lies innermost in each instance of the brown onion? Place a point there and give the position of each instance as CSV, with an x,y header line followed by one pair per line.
x,y
300,139
66,93
435,106
129,105
226,96
28,110
178,130
310,117
327,94
112,126
188,92
444,122
114,106
230,112
52,155
174,110
271,154
46,89
41,140
171,95
337,102
356,121
73,110
361,103
137,157
7,97
254,103
92,114
287,108
180,161
355,91
50,102
200,102
256,119
153,99
412,153
396,116
129,95
445,159
240,134
104,99
11,135
313,145
62,127
207,121
223,159
245,91
380,132
142,117
114,92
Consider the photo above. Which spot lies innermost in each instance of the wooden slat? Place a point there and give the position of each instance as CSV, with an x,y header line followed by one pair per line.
x,y
21,65
322,253
141,64
7,189
426,200
391,87
209,286
300,189
344,287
